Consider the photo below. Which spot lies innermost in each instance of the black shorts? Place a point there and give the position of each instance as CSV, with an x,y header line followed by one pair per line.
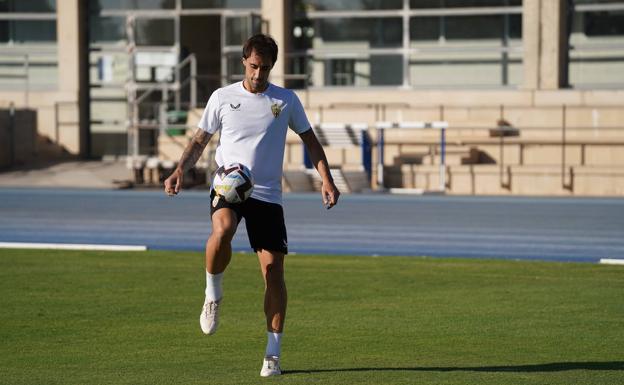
x,y
264,221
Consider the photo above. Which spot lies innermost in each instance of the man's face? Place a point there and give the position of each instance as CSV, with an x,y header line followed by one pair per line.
x,y
257,69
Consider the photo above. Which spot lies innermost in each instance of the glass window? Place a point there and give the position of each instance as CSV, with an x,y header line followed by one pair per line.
x,y
465,27
300,67
425,28
350,48
235,4
107,29
28,6
415,4
348,5
340,72
596,1
97,5
480,3
238,29
27,31
158,32
474,27
234,68
604,23
386,70
515,26
462,3
596,40
378,32
302,34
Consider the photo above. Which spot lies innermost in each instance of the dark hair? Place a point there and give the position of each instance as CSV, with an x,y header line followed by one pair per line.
x,y
262,44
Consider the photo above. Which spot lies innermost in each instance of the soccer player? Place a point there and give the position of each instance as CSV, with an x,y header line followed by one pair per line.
x,y
253,116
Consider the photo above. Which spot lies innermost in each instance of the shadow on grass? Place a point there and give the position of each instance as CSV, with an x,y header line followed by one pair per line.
x,y
536,368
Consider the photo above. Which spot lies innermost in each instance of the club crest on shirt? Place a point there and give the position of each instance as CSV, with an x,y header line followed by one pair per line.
x,y
234,107
276,109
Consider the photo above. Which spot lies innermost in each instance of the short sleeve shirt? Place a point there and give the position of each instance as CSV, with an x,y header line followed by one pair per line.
x,y
253,132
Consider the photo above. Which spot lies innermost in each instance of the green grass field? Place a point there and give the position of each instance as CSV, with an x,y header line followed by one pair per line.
x,y
132,318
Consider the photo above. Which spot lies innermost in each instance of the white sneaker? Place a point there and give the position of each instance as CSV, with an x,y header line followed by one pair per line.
x,y
270,367
209,317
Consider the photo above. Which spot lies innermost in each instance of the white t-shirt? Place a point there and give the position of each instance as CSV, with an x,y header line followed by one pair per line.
x,y
253,132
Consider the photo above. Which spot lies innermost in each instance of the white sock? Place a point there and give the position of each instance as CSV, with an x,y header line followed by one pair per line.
x,y
274,342
214,292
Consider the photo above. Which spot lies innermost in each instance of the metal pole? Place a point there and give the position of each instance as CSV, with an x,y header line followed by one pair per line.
x,y
56,122
501,156
178,51
406,44
177,91
442,159
162,110
365,147
224,70
12,133
193,81
27,85
380,158
563,145
135,127
505,55
133,115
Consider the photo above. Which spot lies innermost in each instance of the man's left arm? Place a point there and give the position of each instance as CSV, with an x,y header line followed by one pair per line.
x,y
329,191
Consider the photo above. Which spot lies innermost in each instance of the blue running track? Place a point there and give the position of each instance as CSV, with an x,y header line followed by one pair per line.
x,y
561,229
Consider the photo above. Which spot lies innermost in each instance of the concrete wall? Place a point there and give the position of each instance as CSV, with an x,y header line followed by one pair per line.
x,y
67,133
67,85
18,134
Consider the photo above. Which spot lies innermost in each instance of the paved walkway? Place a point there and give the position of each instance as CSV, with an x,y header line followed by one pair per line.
x,y
79,174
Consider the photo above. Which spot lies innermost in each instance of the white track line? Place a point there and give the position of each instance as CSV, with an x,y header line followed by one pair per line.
x,y
70,246
611,261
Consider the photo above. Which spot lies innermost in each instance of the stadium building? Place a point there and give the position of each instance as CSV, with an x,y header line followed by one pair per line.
x,y
464,96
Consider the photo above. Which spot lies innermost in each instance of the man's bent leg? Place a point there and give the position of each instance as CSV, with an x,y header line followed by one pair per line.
x,y
219,244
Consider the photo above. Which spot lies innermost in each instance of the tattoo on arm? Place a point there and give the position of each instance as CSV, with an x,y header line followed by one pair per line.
x,y
194,149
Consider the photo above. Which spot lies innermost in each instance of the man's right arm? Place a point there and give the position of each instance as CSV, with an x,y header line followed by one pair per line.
x,y
189,157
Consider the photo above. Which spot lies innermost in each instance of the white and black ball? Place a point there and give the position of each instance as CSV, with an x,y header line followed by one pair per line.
x,y
233,182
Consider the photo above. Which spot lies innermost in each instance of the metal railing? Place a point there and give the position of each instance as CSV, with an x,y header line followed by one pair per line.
x,y
60,121
167,91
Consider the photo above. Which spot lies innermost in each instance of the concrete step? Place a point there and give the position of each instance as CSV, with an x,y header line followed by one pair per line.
x,y
547,180
297,180
348,179
452,157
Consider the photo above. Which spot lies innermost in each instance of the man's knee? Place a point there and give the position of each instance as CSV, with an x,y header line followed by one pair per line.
x,y
223,233
223,227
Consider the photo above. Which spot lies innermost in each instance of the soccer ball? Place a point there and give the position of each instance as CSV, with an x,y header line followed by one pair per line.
x,y
233,182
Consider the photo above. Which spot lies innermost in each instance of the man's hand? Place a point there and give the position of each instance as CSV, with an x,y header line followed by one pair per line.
x,y
330,194
173,184
189,157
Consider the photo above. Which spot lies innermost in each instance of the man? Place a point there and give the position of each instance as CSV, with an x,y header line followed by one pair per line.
x,y
253,116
